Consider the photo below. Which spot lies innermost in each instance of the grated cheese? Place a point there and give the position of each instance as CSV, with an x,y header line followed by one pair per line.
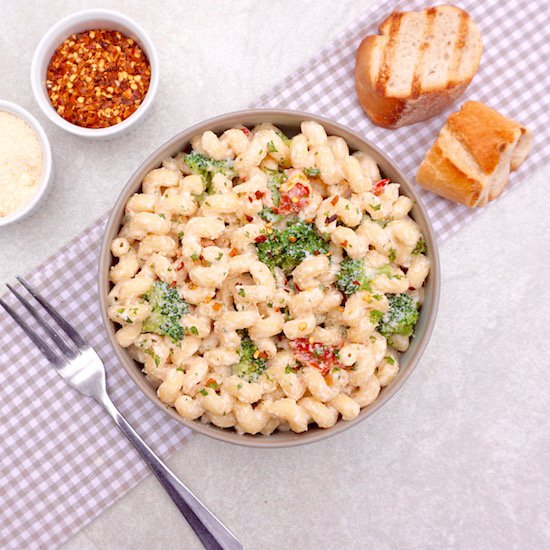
x,y
21,163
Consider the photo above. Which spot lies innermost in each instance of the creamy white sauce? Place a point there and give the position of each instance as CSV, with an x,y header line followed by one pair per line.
x,y
21,163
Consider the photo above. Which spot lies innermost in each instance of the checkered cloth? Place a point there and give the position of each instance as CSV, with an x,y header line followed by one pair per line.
x,y
63,461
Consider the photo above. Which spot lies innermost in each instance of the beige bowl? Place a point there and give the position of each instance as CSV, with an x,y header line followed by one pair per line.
x,y
289,122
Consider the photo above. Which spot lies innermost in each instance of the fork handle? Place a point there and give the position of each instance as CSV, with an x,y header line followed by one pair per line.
x,y
213,534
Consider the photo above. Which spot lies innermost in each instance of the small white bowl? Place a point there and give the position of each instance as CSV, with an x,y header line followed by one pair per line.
x,y
47,173
79,22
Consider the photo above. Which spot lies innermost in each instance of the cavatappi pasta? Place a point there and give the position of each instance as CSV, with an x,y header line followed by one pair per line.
x,y
268,283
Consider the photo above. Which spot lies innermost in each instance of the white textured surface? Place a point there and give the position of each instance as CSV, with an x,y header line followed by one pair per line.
x,y
459,458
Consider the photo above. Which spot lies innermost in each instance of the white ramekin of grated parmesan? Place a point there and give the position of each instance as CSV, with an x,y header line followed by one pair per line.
x,y
25,163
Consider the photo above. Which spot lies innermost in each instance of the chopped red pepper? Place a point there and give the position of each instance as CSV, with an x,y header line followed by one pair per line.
x,y
248,218
181,266
260,239
245,131
259,194
293,200
378,187
319,356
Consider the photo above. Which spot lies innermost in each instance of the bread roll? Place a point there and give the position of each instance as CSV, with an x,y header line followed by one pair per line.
x,y
473,155
419,64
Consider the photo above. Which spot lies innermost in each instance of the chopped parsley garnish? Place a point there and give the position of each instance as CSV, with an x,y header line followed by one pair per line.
x,y
312,172
286,248
271,148
389,359
192,330
203,392
376,315
151,353
393,254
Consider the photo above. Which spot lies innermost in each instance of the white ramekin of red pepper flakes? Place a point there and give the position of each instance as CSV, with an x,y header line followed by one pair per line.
x,y
95,73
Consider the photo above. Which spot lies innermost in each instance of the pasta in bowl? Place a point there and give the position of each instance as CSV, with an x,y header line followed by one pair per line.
x,y
267,277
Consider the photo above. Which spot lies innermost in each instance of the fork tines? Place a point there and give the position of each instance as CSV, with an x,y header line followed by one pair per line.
x,y
69,351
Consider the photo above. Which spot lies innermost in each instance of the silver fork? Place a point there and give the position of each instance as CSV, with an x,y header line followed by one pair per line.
x,y
81,367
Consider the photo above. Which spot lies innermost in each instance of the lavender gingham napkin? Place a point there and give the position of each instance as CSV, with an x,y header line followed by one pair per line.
x,y
63,461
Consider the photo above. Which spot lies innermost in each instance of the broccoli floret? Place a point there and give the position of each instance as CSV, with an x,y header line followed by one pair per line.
x,y
400,317
269,215
167,309
249,367
352,276
206,167
420,247
286,248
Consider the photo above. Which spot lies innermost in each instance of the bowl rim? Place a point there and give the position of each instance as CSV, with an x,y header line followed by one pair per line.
x,y
65,25
227,436
17,110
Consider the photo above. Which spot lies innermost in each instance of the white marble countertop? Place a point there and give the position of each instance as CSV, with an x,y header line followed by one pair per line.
x,y
459,458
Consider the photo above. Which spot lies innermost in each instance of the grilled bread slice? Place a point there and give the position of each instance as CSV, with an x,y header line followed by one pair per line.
x,y
419,64
473,155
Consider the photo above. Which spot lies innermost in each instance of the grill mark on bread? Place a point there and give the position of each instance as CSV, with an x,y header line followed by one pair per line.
x,y
416,85
384,71
459,47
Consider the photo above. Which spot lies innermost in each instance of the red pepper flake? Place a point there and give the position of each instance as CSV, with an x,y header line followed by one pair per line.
x,y
216,306
263,355
260,239
378,187
248,218
211,383
259,194
334,201
97,78
173,284
181,266
233,252
245,131
250,199
356,283
344,243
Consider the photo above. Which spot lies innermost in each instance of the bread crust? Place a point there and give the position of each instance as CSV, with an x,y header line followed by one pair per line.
x,y
391,111
486,147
